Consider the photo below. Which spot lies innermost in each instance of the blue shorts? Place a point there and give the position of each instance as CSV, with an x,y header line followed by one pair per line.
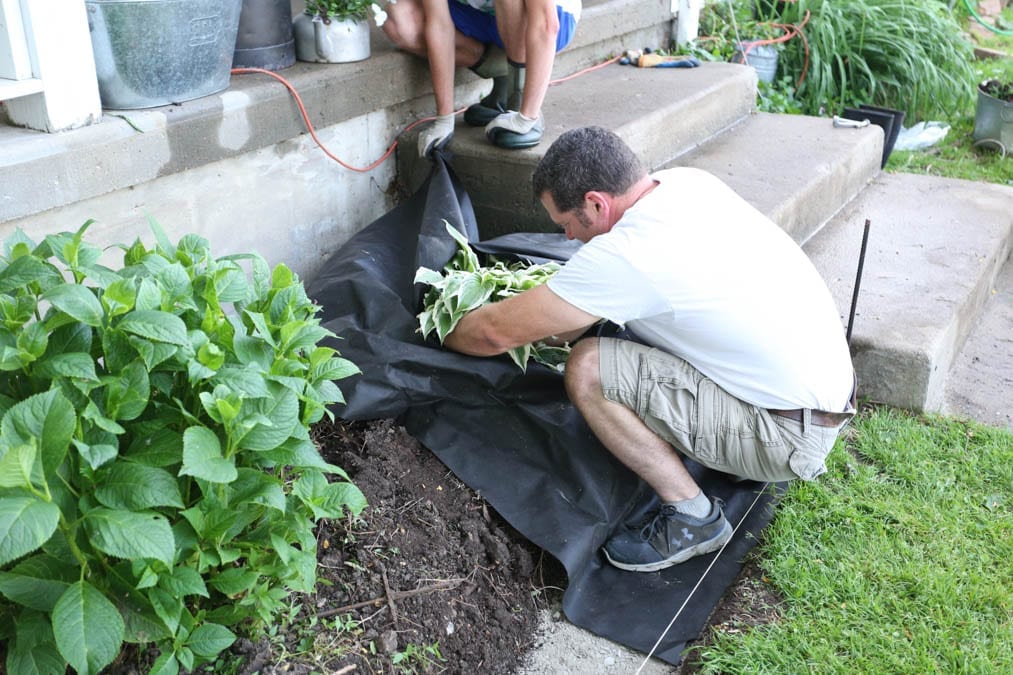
x,y
482,26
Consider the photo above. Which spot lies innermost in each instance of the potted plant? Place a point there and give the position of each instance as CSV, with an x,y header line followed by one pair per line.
x,y
333,31
993,121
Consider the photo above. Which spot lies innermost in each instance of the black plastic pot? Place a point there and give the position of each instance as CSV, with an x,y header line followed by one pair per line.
x,y
265,35
898,124
891,121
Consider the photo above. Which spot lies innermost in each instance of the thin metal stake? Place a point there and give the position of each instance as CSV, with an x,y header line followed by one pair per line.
x,y
858,280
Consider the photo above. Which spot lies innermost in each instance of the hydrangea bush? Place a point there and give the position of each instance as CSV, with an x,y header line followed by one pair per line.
x,y
158,483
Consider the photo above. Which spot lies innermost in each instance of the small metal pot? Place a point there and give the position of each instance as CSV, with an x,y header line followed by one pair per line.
x,y
320,40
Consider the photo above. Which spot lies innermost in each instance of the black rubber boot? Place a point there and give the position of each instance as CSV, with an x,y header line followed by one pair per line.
x,y
493,105
516,75
515,96
493,64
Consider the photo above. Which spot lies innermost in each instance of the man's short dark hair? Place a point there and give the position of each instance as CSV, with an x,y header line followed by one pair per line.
x,y
584,160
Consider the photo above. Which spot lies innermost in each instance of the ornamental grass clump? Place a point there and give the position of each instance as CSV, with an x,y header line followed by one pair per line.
x,y
158,484
901,54
465,285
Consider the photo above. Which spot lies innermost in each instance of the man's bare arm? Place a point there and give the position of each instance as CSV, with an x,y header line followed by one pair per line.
x,y
528,317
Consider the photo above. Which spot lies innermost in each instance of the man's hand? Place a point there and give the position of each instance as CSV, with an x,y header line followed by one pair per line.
x,y
437,134
518,320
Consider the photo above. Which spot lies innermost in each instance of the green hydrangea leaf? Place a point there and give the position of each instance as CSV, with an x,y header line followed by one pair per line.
x,y
135,487
203,458
129,534
76,301
88,628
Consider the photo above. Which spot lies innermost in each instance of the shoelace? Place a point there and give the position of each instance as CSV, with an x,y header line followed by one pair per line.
x,y
651,527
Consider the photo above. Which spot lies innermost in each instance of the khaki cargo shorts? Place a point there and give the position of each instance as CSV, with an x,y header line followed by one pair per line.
x,y
705,422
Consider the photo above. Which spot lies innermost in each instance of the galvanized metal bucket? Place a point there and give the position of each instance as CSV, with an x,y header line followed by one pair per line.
x,y
155,52
993,122
763,59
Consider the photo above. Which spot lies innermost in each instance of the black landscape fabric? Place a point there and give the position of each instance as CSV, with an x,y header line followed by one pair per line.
x,y
514,436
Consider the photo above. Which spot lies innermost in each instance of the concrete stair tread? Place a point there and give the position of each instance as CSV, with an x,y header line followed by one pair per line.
x,y
624,98
935,248
608,27
257,112
691,117
763,160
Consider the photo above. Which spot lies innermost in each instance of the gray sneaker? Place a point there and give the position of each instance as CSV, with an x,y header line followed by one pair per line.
x,y
667,538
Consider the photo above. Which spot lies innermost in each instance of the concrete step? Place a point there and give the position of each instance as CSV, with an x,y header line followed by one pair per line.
x,y
660,112
980,383
798,170
935,248
41,171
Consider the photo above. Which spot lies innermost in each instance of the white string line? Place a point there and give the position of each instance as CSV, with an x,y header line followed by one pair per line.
x,y
702,577
735,29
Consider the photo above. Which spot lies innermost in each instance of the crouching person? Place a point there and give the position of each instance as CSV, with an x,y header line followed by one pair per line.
x,y
740,360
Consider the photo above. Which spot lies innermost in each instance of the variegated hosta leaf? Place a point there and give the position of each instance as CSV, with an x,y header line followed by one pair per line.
x,y
466,285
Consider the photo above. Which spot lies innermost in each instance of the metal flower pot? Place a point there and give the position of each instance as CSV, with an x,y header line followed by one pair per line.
x,y
993,121
763,59
330,41
155,52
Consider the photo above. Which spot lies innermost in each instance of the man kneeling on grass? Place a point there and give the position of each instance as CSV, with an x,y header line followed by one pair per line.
x,y
743,367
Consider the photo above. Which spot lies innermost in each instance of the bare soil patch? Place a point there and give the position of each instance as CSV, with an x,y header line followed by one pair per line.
x,y
430,579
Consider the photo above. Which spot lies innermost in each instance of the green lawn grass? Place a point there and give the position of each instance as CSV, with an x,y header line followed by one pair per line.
x,y
956,155
898,560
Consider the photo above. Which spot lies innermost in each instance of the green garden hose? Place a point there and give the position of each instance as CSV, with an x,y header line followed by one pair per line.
x,y
998,31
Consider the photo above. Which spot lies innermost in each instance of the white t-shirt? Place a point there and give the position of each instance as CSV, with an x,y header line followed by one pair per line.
x,y
694,270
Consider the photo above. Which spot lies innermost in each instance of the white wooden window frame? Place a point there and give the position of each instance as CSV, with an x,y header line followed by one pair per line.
x,y
47,69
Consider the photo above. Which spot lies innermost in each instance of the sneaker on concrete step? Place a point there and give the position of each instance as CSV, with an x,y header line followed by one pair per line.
x,y
667,538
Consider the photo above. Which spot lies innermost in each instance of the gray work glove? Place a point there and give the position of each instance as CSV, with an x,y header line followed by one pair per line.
x,y
437,134
511,121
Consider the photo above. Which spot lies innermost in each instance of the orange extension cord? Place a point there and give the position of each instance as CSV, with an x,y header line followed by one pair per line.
x,y
385,155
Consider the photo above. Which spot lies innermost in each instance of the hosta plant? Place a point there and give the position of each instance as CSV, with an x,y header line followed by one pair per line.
x,y
465,285
158,484
343,10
